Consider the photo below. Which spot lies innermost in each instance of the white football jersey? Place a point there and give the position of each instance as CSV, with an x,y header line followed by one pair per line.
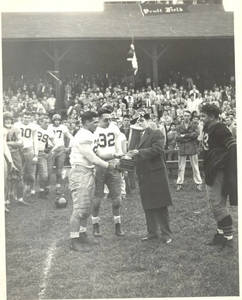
x,y
27,132
108,140
44,138
82,137
58,132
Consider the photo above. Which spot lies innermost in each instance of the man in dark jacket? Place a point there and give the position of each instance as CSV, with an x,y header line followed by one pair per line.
x,y
220,167
153,181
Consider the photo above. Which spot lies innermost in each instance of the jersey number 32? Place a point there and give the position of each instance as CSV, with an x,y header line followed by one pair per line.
x,y
106,140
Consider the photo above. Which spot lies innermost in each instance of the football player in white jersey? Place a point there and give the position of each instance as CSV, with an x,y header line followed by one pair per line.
x,y
108,148
14,183
45,142
81,179
60,132
29,138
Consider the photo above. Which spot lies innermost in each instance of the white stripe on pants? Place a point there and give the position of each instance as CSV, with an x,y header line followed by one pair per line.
x,y
182,166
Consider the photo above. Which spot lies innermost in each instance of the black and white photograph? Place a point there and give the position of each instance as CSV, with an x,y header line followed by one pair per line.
x,y
119,149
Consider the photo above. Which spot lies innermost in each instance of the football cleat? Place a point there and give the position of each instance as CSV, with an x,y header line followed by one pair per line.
x,y
149,237
227,243
118,230
22,202
217,240
61,202
96,230
32,192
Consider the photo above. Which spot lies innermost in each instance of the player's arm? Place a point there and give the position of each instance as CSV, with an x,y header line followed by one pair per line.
x,y
104,155
69,136
51,144
87,151
107,156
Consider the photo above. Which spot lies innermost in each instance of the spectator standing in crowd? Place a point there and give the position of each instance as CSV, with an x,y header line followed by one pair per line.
x,y
220,168
153,181
230,123
187,134
81,179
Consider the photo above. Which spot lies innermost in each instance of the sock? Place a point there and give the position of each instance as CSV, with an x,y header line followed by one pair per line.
x,y
82,229
220,231
117,219
74,235
226,224
95,220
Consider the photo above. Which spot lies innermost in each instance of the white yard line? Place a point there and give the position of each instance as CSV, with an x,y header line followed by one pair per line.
x,y
47,266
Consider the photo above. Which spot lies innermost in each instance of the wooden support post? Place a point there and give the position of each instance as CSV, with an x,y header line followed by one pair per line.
x,y
155,65
59,101
154,55
56,58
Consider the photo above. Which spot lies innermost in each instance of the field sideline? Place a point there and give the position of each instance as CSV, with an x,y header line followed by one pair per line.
x,y
40,264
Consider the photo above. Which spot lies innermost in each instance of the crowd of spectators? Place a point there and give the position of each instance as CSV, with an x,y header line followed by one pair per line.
x,y
165,103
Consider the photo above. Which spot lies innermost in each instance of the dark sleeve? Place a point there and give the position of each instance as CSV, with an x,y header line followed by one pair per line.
x,y
224,137
156,148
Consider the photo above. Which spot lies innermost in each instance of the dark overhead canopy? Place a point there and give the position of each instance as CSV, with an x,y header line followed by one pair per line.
x,y
120,21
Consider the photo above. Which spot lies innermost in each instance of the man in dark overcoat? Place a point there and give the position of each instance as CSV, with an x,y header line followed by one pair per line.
x,y
153,181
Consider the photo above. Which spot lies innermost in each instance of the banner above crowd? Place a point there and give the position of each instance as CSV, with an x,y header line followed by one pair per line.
x,y
152,8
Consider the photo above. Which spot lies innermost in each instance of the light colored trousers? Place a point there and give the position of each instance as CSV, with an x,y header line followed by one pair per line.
x,y
182,166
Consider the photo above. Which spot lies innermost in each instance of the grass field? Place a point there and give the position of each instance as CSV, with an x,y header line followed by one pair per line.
x,y
40,264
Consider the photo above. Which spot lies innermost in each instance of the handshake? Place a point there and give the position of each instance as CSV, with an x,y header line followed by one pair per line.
x,y
123,162
114,164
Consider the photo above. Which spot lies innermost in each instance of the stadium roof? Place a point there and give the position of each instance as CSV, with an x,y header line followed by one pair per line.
x,y
120,21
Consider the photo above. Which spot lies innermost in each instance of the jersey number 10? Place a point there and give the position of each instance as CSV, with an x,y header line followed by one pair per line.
x,y
26,132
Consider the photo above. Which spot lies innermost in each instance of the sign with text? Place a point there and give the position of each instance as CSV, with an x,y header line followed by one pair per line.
x,y
159,8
